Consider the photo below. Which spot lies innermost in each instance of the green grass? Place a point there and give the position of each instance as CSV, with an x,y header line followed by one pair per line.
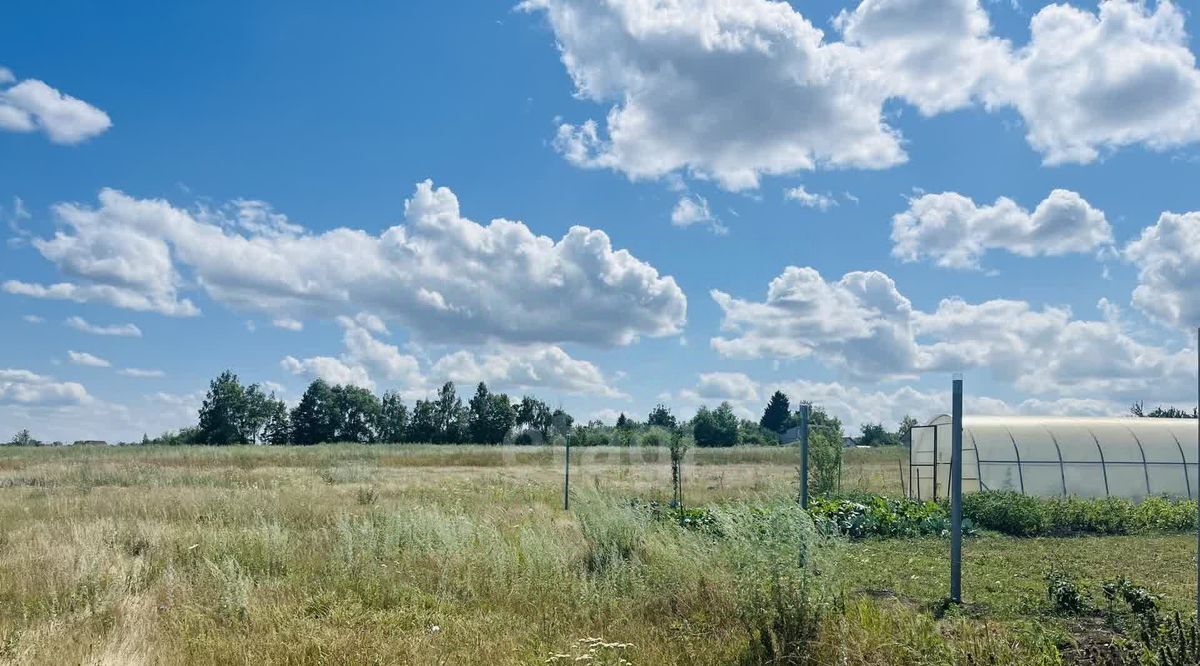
x,y
424,554
1005,577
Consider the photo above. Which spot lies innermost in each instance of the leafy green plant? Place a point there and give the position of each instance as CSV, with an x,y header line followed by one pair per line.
x,y
1065,595
1007,512
1024,515
863,516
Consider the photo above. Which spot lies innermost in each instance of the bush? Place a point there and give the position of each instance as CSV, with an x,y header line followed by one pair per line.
x,y
1024,515
1064,594
864,516
1007,512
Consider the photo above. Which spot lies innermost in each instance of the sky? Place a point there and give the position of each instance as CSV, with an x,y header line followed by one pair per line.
x,y
604,204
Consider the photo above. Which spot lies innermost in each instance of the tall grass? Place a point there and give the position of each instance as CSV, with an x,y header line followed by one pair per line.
x,y
439,555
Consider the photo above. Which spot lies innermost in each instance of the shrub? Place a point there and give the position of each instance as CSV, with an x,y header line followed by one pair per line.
x,y
862,516
1064,594
1007,512
1024,515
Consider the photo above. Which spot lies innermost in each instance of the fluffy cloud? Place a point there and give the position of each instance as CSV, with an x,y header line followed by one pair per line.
x,y
955,232
364,355
860,323
332,370
86,359
856,405
122,330
22,387
1090,82
31,105
863,326
821,202
727,90
539,366
735,90
692,210
366,360
1167,256
288,324
444,276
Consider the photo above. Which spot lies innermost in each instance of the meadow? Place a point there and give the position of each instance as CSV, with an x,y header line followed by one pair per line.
x,y
464,555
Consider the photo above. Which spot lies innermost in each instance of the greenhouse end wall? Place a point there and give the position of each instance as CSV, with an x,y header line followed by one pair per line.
x,y
1059,456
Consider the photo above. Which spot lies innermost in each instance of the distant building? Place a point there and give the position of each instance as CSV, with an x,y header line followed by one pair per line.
x,y
850,442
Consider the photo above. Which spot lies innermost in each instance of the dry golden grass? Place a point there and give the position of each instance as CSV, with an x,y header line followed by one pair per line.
x,y
460,555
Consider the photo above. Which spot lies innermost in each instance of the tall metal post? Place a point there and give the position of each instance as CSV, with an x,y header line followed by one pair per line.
x,y
804,411
567,478
1198,473
956,493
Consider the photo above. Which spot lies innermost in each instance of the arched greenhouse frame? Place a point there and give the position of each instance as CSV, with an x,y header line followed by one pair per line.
x,y
1046,456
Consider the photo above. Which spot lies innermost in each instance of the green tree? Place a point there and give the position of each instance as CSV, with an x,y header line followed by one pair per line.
x,y
489,416
23,438
422,427
357,414
775,416
622,422
560,422
223,411
314,420
1138,409
533,414
253,414
874,434
824,452
718,427
905,431
662,417
393,419
278,430
450,418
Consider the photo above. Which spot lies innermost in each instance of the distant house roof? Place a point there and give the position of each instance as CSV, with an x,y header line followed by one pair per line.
x,y
849,442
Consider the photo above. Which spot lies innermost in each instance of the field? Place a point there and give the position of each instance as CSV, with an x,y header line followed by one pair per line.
x,y
452,555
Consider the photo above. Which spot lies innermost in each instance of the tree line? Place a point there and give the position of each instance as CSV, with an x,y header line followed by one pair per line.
x,y
236,414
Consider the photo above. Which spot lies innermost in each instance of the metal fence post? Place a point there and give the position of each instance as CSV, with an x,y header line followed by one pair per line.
x,y
956,427
804,411
567,478
1198,473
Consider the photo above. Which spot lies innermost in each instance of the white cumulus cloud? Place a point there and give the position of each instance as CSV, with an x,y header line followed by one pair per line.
x,y
31,105
22,387
956,232
442,275
526,367
1167,256
734,90
864,327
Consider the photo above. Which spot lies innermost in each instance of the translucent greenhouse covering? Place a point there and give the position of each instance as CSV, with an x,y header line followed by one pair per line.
x,y
1057,456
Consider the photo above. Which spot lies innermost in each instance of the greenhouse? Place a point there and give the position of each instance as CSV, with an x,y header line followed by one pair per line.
x,y
1058,456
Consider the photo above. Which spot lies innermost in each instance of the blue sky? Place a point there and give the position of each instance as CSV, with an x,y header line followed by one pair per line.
x,y
903,123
